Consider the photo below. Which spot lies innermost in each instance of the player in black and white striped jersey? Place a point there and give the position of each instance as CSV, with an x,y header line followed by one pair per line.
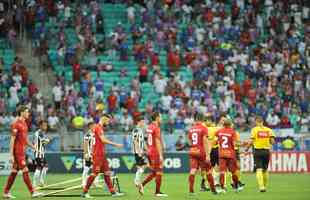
x,y
87,153
138,148
40,141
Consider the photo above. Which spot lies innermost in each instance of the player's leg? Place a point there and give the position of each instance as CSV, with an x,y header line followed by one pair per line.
x,y
86,169
44,172
232,166
223,168
259,169
91,178
107,177
208,169
140,163
158,178
152,174
26,178
238,171
265,163
193,169
214,158
10,181
37,173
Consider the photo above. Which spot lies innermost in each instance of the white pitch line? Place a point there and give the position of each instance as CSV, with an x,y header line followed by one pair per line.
x,y
64,190
60,183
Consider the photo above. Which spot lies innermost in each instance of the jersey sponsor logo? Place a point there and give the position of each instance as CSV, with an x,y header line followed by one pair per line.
x,y
129,161
262,134
68,161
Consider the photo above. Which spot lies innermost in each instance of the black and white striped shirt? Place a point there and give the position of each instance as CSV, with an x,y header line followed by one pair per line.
x,y
138,138
88,140
40,140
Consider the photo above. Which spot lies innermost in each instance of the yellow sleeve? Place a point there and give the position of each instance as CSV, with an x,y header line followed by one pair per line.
x,y
253,133
271,133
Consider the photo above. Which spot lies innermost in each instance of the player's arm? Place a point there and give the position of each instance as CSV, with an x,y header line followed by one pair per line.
x,y
207,145
159,147
85,150
272,136
107,141
12,142
29,144
251,141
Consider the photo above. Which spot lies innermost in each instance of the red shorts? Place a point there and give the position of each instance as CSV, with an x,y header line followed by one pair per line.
x,y
196,162
230,163
19,162
100,165
155,163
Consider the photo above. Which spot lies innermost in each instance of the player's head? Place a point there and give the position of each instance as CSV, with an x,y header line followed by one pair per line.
x,y
198,117
259,121
208,121
43,125
222,119
105,120
155,117
23,111
90,125
140,120
227,123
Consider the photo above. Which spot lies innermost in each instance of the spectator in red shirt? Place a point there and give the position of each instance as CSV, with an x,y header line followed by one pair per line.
x,y
130,104
143,73
112,102
32,89
247,85
76,68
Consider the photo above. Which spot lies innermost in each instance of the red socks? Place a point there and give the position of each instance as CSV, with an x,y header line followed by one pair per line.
x,y
107,180
10,182
28,181
211,181
191,180
158,182
222,179
149,178
89,182
235,179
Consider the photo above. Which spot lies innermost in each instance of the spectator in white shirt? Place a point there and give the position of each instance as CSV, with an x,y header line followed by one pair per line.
x,y
160,85
126,121
53,121
57,93
273,120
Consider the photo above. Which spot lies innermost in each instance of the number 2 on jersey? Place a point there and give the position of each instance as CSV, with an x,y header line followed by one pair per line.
x,y
224,143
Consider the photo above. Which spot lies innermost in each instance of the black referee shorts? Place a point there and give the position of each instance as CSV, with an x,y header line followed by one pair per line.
x,y
40,163
214,156
261,159
88,163
237,154
140,160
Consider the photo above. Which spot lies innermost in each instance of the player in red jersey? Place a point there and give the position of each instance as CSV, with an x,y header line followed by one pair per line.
x,y
100,163
155,154
199,153
227,139
19,141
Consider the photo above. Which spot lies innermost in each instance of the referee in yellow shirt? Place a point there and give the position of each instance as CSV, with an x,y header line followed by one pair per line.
x,y
262,139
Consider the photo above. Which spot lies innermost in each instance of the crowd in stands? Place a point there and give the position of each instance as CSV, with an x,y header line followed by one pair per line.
x,y
239,57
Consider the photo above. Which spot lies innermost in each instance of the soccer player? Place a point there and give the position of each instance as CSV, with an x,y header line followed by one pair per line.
x,y
199,153
138,150
227,140
155,154
18,143
237,149
87,152
39,154
100,163
262,139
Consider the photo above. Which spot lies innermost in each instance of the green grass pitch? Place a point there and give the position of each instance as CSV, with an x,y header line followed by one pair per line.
x,y
282,187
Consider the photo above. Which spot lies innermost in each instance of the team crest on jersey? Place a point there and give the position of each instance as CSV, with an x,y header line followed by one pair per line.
x,y
129,161
68,161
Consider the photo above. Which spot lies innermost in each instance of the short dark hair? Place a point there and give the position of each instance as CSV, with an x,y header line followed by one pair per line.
x,y
198,116
42,121
90,123
154,116
259,119
21,109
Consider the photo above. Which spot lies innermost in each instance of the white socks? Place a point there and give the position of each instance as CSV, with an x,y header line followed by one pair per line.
x,y
216,176
43,175
85,175
138,176
36,178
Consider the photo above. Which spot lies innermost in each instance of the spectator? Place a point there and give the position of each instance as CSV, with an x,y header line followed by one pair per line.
x,y
53,121
126,122
181,144
57,95
112,102
273,120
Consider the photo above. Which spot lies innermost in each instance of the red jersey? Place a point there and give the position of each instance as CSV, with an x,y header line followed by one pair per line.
x,y
226,138
196,136
153,133
98,148
20,130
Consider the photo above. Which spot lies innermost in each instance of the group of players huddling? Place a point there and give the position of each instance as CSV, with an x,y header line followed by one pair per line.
x,y
212,150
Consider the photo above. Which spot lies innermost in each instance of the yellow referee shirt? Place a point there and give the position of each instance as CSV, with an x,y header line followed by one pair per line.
x,y
261,136
211,133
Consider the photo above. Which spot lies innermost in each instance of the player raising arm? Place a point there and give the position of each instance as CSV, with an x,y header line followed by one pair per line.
x,y
262,139
155,154
100,163
199,153
19,141
226,138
